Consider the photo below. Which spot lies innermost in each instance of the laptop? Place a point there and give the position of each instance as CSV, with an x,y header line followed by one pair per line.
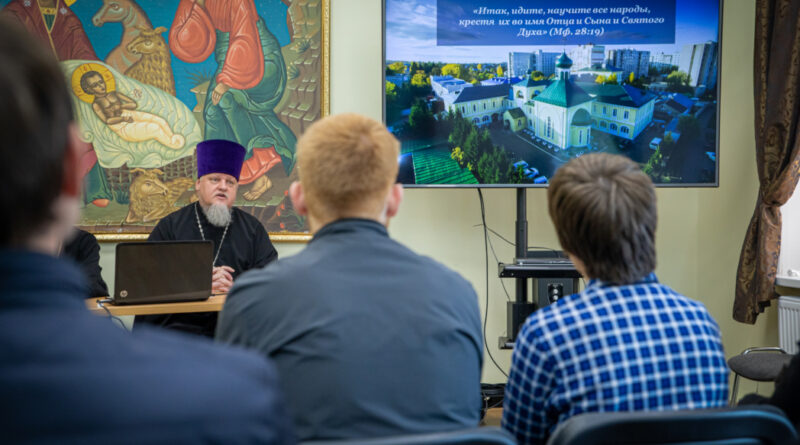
x,y
162,272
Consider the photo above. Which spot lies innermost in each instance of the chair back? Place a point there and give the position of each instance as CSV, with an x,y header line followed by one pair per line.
x,y
762,425
470,436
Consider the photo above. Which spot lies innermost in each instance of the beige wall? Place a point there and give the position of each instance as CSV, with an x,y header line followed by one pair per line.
x,y
700,230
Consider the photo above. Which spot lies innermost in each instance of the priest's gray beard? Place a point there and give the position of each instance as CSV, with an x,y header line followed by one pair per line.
x,y
218,214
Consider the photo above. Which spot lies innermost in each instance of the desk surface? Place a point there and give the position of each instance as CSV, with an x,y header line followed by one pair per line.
x,y
212,304
493,417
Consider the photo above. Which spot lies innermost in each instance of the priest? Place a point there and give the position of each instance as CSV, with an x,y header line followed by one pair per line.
x,y
240,240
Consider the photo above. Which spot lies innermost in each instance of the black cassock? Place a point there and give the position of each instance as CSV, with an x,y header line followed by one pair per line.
x,y
246,246
84,250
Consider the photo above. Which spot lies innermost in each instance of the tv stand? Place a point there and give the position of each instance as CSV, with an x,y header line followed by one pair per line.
x,y
552,271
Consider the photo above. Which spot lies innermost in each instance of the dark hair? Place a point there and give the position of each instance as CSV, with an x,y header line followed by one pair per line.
x,y
36,113
604,209
85,80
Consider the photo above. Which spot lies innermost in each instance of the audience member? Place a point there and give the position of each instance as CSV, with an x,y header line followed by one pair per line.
x,y
626,342
370,339
240,241
81,247
67,376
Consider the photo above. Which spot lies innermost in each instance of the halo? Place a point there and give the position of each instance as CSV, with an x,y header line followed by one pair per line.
x,y
111,84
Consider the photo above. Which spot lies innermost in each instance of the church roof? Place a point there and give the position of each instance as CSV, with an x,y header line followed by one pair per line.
x,y
563,93
591,88
516,113
482,92
624,95
582,118
528,82
563,61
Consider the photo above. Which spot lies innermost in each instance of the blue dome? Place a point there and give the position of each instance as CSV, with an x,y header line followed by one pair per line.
x,y
563,61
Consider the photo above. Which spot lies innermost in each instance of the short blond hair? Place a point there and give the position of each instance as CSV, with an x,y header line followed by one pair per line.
x,y
346,164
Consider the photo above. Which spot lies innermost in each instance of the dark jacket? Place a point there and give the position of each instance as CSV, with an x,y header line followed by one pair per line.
x,y
370,339
67,376
84,250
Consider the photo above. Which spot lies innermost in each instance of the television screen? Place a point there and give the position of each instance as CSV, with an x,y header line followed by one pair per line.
x,y
502,93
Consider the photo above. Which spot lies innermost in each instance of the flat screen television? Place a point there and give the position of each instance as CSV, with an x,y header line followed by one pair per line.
x,y
502,93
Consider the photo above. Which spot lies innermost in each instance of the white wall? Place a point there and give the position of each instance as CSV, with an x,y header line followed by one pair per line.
x,y
790,235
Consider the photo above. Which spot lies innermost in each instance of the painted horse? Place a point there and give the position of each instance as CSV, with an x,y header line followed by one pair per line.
x,y
133,20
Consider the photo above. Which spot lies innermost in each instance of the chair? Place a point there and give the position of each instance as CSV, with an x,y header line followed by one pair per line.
x,y
471,436
762,425
760,364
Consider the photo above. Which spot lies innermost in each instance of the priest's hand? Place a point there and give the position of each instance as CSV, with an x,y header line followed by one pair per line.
x,y
221,280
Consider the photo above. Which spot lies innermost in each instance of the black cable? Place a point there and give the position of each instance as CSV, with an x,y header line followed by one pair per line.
x,y
491,246
486,310
493,232
497,260
512,244
501,237
112,316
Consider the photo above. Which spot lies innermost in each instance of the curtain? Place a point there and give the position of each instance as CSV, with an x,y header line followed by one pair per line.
x,y
777,108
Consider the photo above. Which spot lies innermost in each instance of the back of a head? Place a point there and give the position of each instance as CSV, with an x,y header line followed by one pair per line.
x,y
604,209
346,163
36,113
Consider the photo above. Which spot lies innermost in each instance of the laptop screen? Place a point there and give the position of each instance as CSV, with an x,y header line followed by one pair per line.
x,y
162,271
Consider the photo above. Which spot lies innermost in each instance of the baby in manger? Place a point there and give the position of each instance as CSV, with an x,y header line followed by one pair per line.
x,y
119,113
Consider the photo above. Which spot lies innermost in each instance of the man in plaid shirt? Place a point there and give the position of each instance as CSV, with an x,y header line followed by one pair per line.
x,y
627,342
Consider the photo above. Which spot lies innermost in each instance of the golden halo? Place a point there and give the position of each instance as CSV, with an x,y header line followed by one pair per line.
x,y
111,84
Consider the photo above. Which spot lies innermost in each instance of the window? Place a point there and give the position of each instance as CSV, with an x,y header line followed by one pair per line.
x,y
602,124
580,137
484,105
614,112
624,130
604,110
474,107
625,115
519,94
549,131
486,118
613,126
476,121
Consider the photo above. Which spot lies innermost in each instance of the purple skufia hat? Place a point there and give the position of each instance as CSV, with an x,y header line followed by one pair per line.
x,y
219,156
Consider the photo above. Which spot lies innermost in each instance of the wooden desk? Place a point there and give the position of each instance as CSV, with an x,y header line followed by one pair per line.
x,y
493,417
213,304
